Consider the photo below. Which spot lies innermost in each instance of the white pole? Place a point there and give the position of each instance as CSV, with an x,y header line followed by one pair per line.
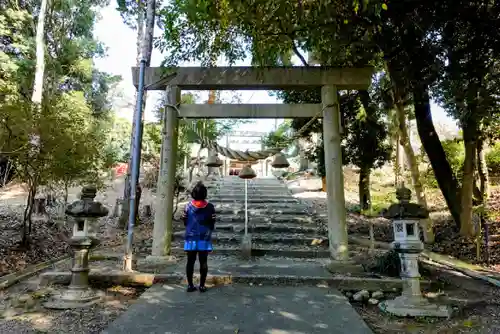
x,y
246,207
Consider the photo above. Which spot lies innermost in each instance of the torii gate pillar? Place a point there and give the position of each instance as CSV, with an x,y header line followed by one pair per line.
x,y
337,228
164,204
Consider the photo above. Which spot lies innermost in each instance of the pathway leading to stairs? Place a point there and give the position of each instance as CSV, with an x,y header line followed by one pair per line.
x,y
287,243
240,309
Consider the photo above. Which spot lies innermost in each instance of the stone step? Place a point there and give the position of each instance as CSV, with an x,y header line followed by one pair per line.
x,y
265,238
258,249
260,195
261,188
259,205
239,227
272,228
254,200
264,265
241,194
257,180
267,219
261,210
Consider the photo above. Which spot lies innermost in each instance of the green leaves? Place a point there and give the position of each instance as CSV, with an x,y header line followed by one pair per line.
x,y
202,30
71,138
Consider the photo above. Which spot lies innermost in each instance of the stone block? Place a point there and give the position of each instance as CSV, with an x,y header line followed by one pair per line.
x,y
415,307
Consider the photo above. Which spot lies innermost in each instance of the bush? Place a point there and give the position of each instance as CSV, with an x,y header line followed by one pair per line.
x,y
455,154
493,159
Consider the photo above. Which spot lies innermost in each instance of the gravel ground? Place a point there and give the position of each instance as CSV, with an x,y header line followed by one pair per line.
x,y
22,311
25,314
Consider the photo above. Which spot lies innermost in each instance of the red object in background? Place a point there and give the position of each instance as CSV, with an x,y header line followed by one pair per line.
x,y
120,169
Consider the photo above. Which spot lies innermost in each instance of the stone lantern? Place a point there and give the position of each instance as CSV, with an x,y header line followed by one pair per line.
x,y
405,218
85,214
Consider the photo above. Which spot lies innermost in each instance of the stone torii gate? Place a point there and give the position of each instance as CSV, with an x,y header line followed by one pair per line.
x,y
330,79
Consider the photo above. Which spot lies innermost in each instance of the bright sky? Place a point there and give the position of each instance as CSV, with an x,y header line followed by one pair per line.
x,y
121,56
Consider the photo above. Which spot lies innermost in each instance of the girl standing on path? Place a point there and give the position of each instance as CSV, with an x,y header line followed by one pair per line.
x,y
199,219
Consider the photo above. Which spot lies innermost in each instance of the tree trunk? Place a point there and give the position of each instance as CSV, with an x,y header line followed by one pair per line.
x,y
364,189
28,210
24,241
36,98
303,162
413,165
6,176
482,169
470,136
437,157
66,192
138,199
39,206
398,162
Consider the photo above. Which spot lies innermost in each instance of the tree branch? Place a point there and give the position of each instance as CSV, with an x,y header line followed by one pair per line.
x,y
298,54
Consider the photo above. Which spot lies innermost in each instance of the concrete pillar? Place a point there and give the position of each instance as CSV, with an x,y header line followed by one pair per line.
x,y
163,230
337,228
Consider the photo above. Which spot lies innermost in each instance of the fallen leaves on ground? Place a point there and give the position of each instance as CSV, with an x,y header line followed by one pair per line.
x,y
48,241
447,239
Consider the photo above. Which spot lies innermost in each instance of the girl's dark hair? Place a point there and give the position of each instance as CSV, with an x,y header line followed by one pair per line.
x,y
199,192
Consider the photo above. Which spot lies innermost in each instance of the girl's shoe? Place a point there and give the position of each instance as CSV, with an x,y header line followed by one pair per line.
x,y
191,288
202,289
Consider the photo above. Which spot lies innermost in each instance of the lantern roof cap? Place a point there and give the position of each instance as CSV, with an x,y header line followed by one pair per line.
x,y
86,206
405,209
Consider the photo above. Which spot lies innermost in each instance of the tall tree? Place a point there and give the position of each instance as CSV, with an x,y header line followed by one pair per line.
x,y
64,123
470,83
397,106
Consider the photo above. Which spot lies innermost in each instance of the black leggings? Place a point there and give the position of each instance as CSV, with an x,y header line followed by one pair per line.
x,y
191,260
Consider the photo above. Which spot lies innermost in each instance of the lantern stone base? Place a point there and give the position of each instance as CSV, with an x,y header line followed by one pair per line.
x,y
403,306
246,246
74,298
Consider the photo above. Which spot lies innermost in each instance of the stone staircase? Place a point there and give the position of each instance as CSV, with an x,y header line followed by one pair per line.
x,y
280,225
288,245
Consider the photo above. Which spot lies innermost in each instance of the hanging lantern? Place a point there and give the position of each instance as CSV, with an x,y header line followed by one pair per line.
x,y
280,161
214,161
247,173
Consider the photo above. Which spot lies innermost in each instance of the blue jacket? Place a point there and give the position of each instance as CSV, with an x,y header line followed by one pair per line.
x,y
199,219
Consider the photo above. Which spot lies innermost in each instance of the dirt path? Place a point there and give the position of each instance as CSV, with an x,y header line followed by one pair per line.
x,y
16,195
